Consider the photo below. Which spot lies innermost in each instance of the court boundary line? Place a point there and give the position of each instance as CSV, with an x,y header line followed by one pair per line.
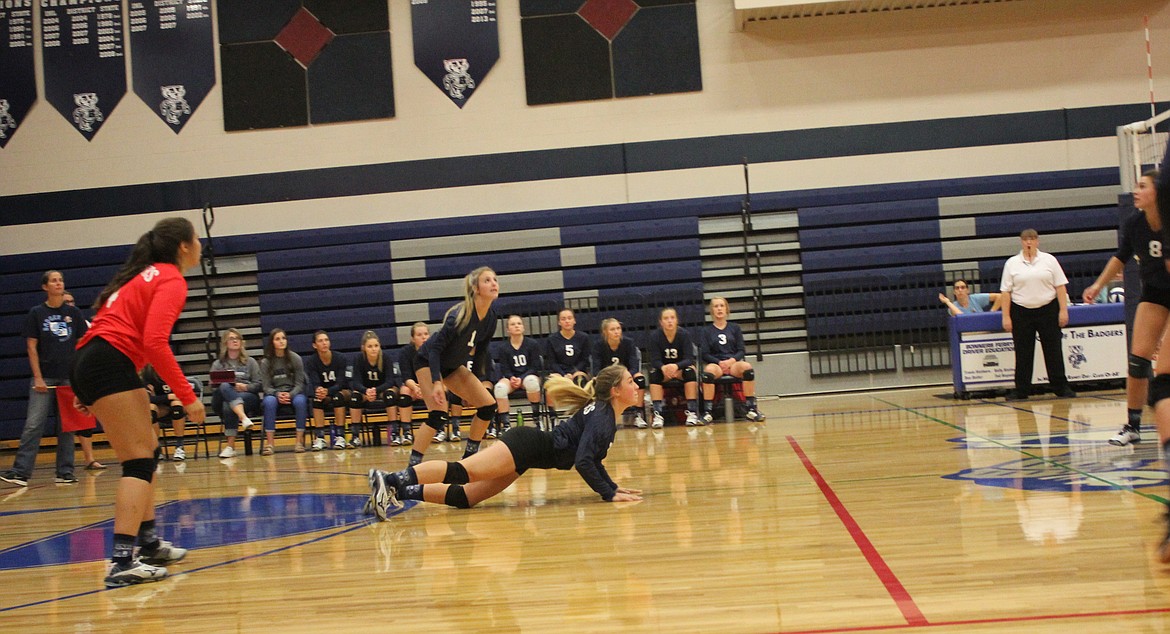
x,y
990,621
885,574
347,529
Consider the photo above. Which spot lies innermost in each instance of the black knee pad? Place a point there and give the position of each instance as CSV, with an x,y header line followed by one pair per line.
x,y
456,474
389,397
708,377
1159,389
177,412
141,468
640,381
655,376
749,375
1139,367
437,420
403,400
689,374
453,399
487,412
338,400
355,400
456,497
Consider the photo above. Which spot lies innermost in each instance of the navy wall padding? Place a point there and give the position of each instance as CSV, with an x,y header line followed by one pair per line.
x,y
327,278
1047,221
866,213
339,296
872,256
856,235
546,259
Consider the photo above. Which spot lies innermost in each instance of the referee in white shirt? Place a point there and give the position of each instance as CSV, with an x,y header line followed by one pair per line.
x,y
1035,298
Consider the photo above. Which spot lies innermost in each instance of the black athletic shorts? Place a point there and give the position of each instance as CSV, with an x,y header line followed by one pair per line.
x,y
99,370
1159,296
531,448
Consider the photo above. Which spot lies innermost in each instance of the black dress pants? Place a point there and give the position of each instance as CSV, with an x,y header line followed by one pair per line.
x,y
1026,324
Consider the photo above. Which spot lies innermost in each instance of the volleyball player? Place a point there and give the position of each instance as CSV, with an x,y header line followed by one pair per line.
x,y
327,374
409,393
672,358
614,349
567,351
135,314
442,364
723,351
582,441
518,360
372,381
1140,235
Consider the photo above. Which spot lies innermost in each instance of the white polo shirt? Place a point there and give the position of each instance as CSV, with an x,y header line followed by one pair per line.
x,y
1032,284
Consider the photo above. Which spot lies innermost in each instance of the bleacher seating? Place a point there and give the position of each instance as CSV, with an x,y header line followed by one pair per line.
x,y
837,268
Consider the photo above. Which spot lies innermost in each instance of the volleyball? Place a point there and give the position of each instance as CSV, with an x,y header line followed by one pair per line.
x,y
1117,295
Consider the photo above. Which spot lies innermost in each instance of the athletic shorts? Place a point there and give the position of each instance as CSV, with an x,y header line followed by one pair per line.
x,y
531,448
1159,296
99,370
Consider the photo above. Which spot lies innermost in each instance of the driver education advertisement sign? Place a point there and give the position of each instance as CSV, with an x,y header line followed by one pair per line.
x,y
1091,353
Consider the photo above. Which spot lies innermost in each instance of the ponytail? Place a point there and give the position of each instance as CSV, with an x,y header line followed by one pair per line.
x,y
463,311
562,391
160,244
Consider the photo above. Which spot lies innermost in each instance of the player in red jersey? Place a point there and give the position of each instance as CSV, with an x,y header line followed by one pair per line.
x,y
135,314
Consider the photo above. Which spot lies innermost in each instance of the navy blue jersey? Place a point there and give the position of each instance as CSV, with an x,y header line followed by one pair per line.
x,y
450,348
408,362
517,362
626,354
583,441
366,375
566,356
57,331
1137,238
333,376
716,345
680,352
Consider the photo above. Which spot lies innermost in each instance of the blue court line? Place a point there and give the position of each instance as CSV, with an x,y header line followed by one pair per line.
x,y
319,538
1061,465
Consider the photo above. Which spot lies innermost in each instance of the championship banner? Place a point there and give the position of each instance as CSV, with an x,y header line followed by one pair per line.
x,y
456,43
174,56
84,58
18,80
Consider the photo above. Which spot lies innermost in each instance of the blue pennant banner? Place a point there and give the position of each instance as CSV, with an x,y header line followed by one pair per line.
x,y
85,60
18,79
174,56
456,43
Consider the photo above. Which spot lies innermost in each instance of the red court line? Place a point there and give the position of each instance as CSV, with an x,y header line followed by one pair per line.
x,y
989,621
897,591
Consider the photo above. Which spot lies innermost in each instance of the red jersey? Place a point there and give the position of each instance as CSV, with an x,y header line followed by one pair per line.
x,y
137,320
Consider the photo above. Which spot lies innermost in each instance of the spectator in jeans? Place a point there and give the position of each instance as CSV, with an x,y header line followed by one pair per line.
x,y
234,400
283,374
51,331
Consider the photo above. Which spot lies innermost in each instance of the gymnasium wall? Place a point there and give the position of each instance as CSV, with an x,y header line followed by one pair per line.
x,y
1035,85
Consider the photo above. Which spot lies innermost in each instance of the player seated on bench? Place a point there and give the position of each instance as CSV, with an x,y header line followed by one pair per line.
x,y
165,407
614,349
722,350
518,360
372,382
410,394
672,359
327,374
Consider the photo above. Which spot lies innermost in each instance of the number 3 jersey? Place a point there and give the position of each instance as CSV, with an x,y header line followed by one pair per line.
x,y
719,344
